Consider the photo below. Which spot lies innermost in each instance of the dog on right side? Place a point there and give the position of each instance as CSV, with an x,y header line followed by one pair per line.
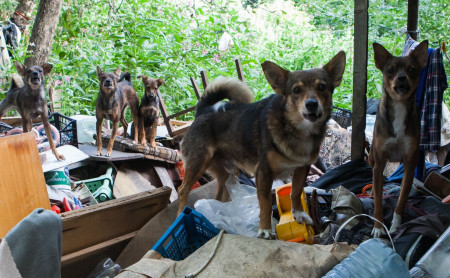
x,y
396,133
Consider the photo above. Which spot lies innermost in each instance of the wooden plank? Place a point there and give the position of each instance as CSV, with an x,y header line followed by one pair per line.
x,y
167,181
81,253
196,90
22,182
165,114
82,263
98,223
204,79
116,155
359,78
182,112
129,182
413,16
17,121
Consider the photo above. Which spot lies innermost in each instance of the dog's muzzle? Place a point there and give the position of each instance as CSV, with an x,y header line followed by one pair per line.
x,y
35,78
402,86
312,110
107,84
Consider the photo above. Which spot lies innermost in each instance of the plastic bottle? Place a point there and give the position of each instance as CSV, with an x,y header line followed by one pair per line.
x,y
373,258
435,262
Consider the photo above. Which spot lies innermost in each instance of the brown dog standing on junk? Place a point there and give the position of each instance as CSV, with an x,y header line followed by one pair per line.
x,y
30,99
149,110
273,138
396,133
114,96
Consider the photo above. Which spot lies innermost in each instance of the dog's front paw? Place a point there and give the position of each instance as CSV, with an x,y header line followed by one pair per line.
x,y
108,154
396,222
266,234
98,153
378,232
60,157
301,216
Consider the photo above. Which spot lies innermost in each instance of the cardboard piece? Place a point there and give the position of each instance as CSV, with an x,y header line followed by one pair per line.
x,y
71,153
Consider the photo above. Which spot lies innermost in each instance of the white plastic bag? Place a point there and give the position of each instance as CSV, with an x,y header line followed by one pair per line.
x,y
239,216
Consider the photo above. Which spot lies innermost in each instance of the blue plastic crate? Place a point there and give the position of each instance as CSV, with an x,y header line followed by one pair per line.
x,y
188,233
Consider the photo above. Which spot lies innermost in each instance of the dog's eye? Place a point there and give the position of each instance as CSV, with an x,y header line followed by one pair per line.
x,y
29,71
321,87
297,90
391,70
410,69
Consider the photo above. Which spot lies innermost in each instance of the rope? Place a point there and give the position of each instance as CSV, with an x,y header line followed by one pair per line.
x,y
373,218
191,275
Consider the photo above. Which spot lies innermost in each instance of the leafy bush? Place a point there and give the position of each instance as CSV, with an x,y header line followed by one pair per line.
x,y
175,40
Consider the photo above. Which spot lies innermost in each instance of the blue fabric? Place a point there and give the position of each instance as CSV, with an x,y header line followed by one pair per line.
x,y
397,176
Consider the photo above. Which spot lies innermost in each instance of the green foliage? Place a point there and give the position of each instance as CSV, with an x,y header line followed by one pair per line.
x,y
175,40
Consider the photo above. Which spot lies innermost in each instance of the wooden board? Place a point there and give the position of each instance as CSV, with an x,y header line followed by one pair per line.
x,y
128,182
91,150
83,262
102,222
22,182
167,181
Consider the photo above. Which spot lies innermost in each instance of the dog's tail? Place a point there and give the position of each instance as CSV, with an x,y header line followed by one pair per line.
x,y
222,88
125,76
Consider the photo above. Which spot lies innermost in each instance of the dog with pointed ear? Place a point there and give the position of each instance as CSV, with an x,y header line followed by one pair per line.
x,y
149,110
28,97
396,132
274,138
114,96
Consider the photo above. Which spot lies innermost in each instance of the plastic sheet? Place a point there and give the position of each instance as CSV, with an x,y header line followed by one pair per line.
x,y
240,215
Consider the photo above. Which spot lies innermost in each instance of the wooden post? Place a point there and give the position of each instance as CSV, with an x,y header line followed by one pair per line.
x,y
239,70
204,79
359,78
413,15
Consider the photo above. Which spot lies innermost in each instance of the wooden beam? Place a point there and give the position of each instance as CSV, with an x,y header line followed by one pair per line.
x,y
359,78
196,90
239,70
413,16
93,225
204,79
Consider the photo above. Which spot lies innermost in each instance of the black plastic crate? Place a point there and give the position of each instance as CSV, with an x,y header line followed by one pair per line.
x,y
342,116
67,128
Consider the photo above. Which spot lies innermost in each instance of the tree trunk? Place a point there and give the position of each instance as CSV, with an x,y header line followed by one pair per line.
x,y
44,28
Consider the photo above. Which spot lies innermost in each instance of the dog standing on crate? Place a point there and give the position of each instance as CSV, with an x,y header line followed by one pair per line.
x,y
149,110
30,99
114,96
396,133
273,138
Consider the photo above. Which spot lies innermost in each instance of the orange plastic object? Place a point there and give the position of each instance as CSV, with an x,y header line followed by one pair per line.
x,y
288,229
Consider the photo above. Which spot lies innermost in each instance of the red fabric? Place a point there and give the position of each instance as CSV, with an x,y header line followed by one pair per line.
x,y
180,168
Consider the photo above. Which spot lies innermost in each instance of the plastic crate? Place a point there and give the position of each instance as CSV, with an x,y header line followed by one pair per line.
x,y
188,233
67,128
342,116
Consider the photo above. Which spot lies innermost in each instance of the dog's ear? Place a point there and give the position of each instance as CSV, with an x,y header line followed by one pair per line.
x,y
335,68
144,77
161,82
381,56
117,71
47,68
99,72
20,68
420,54
276,76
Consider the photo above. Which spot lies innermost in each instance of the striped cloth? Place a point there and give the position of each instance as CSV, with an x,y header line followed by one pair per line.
x,y
431,110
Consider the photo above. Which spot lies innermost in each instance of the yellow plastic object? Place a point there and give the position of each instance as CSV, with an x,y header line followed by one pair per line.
x,y
288,228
